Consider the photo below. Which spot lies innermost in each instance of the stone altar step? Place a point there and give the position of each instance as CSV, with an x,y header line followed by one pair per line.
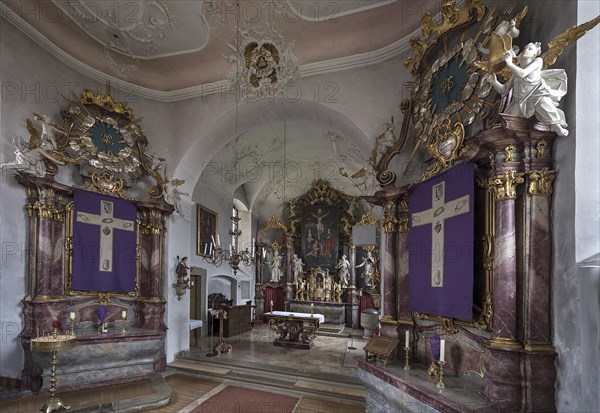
x,y
333,330
325,386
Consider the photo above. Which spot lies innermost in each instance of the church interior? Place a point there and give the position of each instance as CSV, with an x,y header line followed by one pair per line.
x,y
300,206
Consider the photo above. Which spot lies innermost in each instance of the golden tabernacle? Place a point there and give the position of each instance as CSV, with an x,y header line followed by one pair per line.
x,y
296,330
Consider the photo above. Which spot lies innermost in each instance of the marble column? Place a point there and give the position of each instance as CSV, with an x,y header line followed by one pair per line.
x,y
504,332
390,235
504,349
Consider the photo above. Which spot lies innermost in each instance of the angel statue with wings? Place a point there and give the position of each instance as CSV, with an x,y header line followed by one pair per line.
x,y
536,89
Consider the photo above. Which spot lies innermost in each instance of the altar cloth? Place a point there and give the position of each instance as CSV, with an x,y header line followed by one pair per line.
x,y
194,324
321,317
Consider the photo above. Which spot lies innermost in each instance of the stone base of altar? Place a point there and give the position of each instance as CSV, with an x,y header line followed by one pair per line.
x,y
393,389
293,344
99,359
334,312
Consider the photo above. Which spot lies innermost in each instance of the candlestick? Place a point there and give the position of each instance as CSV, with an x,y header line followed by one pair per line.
x,y
312,308
442,350
440,384
406,350
406,339
271,305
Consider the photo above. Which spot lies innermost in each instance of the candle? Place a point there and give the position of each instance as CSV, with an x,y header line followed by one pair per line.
x,y
205,248
124,314
271,303
442,350
72,315
212,238
406,338
264,253
218,240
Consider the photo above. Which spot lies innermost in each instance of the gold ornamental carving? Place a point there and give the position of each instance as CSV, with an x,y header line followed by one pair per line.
x,y
403,225
451,16
444,146
542,147
103,299
509,152
389,224
367,219
448,326
540,182
273,223
107,184
505,186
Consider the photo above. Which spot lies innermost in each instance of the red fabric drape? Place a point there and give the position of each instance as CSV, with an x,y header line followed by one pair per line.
x,y
277,296
366,301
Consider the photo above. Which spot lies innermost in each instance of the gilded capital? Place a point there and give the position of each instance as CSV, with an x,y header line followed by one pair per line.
x,y
540,182
403,224
505,186
389,224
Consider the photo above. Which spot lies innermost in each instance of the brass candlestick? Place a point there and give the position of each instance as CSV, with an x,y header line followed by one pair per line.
x,y
406,365
52,344
440,384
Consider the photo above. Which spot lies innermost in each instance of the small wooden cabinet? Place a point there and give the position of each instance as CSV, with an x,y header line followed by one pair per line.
x,y
237,321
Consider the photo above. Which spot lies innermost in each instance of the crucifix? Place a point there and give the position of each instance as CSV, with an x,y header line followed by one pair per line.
x,y
108,223
439,212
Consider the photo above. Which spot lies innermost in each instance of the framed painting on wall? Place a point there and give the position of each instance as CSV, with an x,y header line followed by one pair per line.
x,y
320,233
206,220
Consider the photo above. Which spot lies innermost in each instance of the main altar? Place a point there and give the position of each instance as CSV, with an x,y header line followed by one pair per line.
x,y
310,263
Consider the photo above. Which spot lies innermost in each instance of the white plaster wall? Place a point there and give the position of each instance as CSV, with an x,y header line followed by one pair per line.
x,y
587,168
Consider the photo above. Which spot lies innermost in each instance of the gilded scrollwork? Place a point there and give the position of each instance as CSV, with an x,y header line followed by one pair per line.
x,y
452,16
444,146
540,182
505,186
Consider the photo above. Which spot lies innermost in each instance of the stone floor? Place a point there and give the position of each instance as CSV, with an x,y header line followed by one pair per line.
x,y
330,354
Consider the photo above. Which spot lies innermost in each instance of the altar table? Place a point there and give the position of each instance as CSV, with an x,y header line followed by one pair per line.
x,y
296,330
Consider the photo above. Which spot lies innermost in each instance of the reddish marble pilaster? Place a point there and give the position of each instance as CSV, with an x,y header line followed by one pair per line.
x,y
44,260
150,315
58,241
390,236
404,315
538,293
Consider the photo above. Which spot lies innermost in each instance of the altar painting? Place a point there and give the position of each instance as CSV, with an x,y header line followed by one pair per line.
x,y
320,236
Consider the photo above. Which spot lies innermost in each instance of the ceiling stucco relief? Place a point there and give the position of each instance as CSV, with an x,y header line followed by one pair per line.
x,y
174,50
262,62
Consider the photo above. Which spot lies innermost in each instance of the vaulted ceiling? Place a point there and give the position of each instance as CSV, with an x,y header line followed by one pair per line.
x,y
173,50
